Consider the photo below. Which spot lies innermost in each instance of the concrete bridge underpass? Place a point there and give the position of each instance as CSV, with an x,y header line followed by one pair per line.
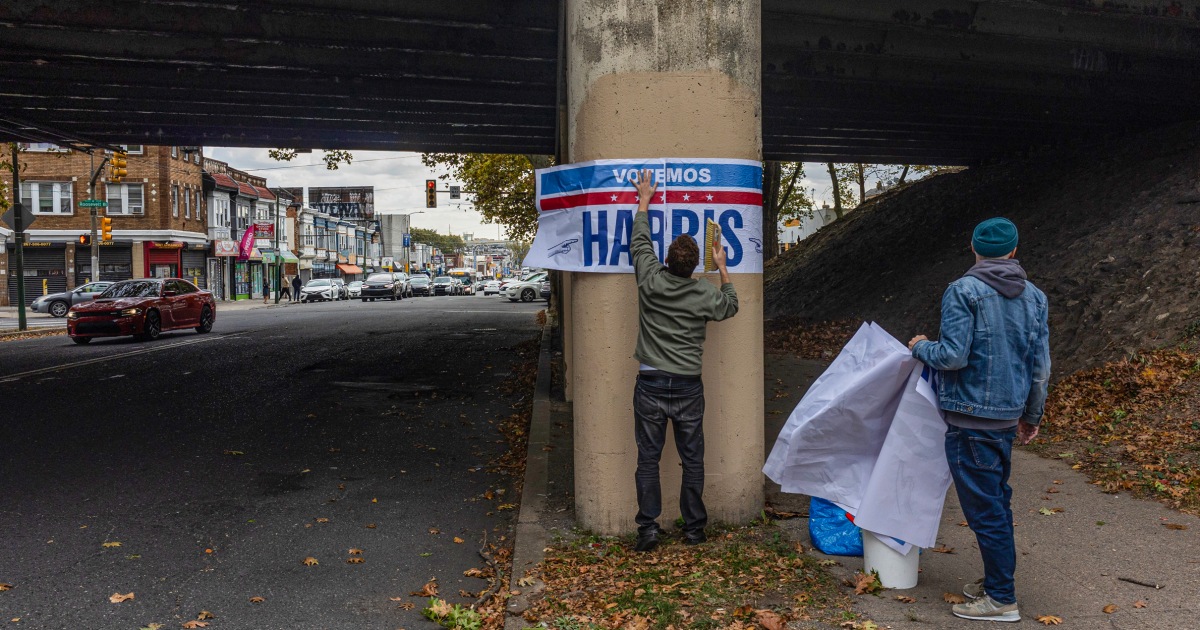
x,y
916,81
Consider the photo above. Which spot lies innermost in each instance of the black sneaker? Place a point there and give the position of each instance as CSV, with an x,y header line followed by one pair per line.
x,y
694,538
646,541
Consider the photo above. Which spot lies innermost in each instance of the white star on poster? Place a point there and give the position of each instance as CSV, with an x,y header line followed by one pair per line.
x,y
710,197
664,198
614,197
687,197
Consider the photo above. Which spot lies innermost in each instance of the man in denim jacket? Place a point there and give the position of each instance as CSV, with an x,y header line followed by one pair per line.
x,y
994,357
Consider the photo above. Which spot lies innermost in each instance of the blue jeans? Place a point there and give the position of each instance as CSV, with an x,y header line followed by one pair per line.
x,y
980,462
655,400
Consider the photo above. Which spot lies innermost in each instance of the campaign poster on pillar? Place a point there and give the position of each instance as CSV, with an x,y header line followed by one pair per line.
x,y
586,212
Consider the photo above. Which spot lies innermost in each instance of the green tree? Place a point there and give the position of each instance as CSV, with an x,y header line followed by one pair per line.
x,y
783,200
501,186
333,157
519,250
446,243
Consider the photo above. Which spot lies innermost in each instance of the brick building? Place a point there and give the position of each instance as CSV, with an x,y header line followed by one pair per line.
x,y
158,217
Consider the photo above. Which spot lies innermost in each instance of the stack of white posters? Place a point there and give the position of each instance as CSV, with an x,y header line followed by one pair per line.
x,y
870,437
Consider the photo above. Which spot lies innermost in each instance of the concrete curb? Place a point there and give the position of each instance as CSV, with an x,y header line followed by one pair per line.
x,y
529,546
38,329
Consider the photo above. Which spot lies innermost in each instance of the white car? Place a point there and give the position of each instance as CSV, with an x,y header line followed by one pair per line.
x,y
354,289
526,290
321,289
491,286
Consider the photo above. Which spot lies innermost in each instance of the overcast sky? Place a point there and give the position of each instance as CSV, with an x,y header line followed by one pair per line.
x,y
399,181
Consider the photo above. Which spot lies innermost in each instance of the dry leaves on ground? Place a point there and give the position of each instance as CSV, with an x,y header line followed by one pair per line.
x,y
867,583
429,590
257,600
111,544
942,549
905,599
5,587
1175,526
769,620
195,624
1050,620
117,598
1110,609
310,562
954,598
354,560
204,614
355,551
458,541
809,340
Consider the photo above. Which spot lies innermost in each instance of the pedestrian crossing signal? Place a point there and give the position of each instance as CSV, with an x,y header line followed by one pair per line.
x,y
431,193
85,239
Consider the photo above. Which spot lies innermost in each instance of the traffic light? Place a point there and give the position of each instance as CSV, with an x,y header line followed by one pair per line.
x,y
431,193
119,164
105,229
85,239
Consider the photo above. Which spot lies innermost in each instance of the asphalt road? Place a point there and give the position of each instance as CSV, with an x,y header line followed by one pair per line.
x,y
220,462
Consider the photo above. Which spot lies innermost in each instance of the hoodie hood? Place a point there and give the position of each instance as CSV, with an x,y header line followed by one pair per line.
x,y
1006,276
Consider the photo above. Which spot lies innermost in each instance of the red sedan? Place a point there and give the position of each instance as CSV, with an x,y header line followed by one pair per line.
x,y
143,308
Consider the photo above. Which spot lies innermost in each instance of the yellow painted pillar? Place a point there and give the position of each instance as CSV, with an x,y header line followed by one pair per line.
x,y
650,80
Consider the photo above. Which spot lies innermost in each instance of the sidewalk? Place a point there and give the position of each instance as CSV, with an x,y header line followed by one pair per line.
x,y
1069,563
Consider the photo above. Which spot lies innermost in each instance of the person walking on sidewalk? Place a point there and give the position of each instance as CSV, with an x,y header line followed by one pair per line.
x,y
994,357
266,288
296,286
673,309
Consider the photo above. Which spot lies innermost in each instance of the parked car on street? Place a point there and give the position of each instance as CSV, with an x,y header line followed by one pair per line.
x,y
321,289
405,283
354,289
420,285
382,286
526,290
343,293
546,289
491,287
443,285
57,304
143,308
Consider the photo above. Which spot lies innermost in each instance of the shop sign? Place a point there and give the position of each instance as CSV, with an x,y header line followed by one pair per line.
x,y
264,229
225,247
166,245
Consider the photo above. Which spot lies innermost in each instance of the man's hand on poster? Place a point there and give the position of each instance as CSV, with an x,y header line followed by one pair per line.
x,y
1026,432
912,342
644,182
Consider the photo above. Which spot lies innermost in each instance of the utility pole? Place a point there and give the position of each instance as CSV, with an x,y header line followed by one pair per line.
x,y
94,215
278,252
19,233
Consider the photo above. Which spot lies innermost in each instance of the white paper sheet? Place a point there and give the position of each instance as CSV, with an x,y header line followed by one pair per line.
x,y
868,435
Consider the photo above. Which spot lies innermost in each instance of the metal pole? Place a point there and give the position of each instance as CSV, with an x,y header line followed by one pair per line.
x,y
278,253
19,233
95,275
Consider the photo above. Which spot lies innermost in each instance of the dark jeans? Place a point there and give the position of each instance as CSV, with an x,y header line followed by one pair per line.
x,y
655,400
980,462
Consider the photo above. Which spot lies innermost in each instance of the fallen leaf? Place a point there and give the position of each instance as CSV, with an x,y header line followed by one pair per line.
x,y
954,598
1175,526
204,614
151,626
354,560
429,590
942,549
1110,609
356,552
1049,511
1052,490
1050,620
195,624
962,523
458,541
865,583
311,562
440,608
1140,604
475,573
111,544
506,506
5,587
117,598
407,606
370,525
434,530
525,581
905,599
770,620
1057,482
257,600
322,519
208,551
374,500
828,563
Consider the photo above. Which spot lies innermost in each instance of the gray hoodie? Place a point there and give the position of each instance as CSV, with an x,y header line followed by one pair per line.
x,y
1004,275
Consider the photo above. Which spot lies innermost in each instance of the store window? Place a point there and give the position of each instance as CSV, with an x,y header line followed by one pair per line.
x,y
132,149
187,204
125,199
175,201
174,152
48,197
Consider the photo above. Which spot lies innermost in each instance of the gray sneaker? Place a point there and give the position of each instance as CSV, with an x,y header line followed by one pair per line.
x,y
974,590
987,609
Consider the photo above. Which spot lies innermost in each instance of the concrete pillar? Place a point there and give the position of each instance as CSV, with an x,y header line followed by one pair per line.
x,y
568,329
674,78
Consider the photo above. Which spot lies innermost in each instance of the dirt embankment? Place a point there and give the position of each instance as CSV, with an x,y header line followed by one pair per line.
x,y
1103,231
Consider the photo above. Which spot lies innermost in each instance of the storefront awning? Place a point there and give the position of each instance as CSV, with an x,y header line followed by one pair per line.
x,y
350,269
288,256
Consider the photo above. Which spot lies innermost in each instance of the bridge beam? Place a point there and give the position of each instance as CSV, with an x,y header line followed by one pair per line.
x,y
677,79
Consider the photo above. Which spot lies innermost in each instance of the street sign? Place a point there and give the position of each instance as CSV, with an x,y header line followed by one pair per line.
x,y
93,203
455,192
408,240
26,216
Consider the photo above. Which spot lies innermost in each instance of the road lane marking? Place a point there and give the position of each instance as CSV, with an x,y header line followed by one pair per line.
x,y
20,375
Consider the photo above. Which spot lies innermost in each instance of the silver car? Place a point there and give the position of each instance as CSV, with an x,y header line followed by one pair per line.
x,y
57,304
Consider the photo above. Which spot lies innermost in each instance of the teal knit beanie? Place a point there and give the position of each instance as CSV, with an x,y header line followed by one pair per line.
x,y
994,238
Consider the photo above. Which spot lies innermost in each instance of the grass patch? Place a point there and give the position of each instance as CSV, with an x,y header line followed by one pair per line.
x,y
745,577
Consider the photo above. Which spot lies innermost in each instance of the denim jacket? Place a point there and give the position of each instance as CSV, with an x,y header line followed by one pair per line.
x,y
994,352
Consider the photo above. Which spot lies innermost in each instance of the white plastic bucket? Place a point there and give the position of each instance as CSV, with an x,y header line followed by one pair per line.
x,y
896,570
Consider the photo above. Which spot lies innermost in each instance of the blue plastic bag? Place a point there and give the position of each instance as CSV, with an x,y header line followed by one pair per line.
x,y
831,531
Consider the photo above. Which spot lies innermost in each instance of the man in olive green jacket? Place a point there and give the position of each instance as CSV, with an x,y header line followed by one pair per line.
x,y
673,311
